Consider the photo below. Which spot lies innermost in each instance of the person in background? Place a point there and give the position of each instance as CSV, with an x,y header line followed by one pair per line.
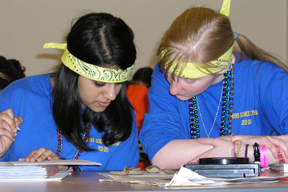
x,y
137,93
208,101
80,111
10,70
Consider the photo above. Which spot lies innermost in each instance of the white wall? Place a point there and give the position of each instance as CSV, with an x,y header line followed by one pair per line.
x,y
25,25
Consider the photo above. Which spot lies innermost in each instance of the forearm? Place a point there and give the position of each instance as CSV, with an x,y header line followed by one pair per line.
x,y
179,152
244,138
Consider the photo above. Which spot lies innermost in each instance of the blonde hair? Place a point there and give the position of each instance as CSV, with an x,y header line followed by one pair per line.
x,y
249,50
200,35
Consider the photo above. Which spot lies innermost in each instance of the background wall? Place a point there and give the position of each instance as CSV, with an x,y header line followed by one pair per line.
x,y
25,26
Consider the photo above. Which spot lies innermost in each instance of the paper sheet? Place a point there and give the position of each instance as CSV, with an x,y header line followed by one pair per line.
x,y
49,170
57,177
158,179
185,177
46,162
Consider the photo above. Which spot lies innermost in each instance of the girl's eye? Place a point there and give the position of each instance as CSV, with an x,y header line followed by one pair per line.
x,y
99,84
190,81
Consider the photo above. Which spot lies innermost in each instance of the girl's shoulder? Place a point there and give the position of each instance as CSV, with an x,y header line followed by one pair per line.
x,y
249,66
36,83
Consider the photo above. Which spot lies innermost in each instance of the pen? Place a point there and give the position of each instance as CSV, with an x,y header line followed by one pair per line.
x,y
18,129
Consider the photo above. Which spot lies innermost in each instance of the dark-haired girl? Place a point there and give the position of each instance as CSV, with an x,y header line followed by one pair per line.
x,y
80,111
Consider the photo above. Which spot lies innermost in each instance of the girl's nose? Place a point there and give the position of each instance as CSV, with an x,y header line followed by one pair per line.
x,y
175,88
110,92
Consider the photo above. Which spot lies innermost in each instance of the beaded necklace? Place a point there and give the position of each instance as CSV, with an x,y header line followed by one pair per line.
x,y
60,141
226,111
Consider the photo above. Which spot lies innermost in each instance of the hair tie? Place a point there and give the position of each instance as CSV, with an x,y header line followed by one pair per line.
x,y
235,35
5,77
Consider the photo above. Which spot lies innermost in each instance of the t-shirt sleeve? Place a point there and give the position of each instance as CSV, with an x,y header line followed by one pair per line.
x,y
273,95
162,123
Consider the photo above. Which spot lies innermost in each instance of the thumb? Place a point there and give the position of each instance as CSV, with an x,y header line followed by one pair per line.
x,y
18,120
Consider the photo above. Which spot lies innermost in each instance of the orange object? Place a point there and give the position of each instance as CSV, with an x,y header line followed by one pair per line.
x,y
138,96
143,164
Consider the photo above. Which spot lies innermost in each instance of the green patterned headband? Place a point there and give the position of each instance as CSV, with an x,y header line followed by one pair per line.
x,y
90,71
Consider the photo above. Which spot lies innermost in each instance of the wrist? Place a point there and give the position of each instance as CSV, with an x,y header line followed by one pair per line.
x,y
4,154
239,149
236,137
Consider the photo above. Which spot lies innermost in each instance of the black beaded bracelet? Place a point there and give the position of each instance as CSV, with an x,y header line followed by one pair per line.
x,y
256,153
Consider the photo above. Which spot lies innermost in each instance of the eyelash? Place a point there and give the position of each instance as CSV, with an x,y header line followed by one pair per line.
x,y
99,85
102,85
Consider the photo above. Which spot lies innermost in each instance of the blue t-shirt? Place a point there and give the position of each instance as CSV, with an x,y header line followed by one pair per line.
x,y
30,98
260,107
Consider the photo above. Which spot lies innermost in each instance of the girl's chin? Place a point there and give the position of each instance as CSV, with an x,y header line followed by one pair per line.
x,y
183,98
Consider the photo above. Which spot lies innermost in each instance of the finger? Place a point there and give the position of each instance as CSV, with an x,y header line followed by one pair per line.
x,y
283,137
9,112
30,157
6,132
36,155
18,121
6,120
270,143
206,141
53,157
280,143
49,155
43,154
283,143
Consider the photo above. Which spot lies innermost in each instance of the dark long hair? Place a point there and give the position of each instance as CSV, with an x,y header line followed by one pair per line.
x,y
144,75
103,40
12,69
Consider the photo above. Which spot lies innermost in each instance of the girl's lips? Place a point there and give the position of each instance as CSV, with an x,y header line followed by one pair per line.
x,y
103,104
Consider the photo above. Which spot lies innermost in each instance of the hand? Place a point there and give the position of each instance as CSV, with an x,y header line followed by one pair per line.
x,y
221,148
40,155
269,142
8,130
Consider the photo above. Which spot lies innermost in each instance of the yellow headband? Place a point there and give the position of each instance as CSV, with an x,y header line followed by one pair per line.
x,y
90,71
192,70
